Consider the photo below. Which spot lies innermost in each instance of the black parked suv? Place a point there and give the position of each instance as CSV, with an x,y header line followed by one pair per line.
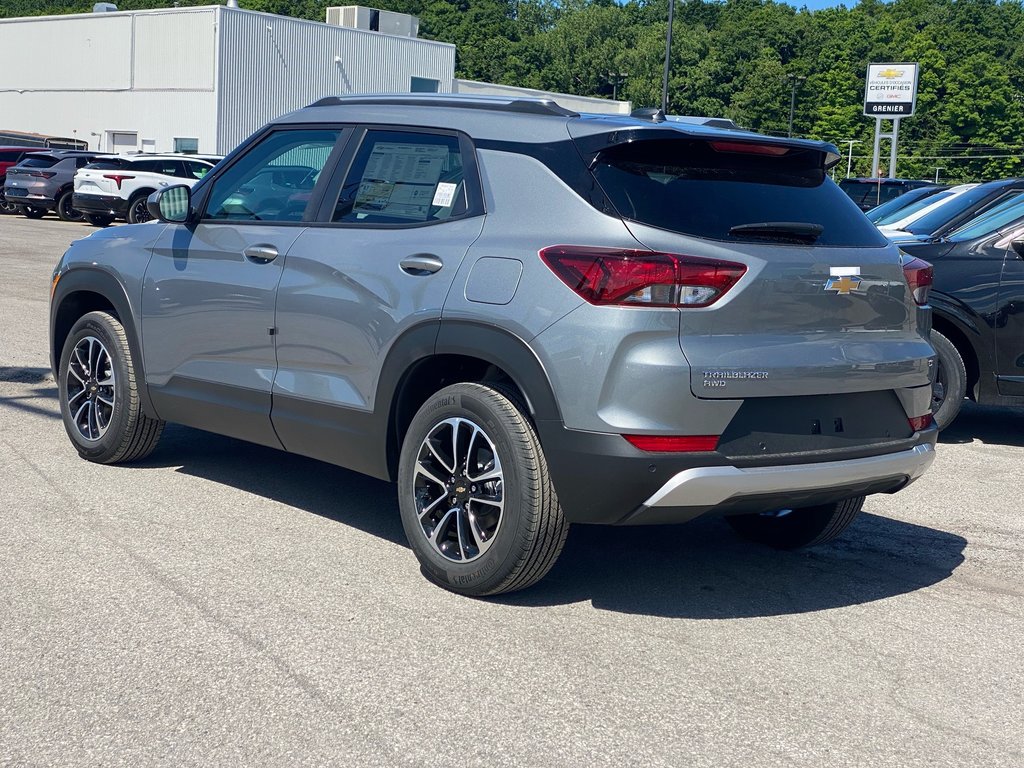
x,y
868,193
978,305
525,316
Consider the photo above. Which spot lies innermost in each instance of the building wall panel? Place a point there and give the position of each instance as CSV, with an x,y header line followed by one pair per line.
x,y
92,117
176,50
271,65
83,53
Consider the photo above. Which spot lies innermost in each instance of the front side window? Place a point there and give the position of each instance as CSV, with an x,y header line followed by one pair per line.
x,y
401,177
274,180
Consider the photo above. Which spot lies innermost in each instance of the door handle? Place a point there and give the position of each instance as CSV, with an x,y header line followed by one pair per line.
x,y
421,264
263,253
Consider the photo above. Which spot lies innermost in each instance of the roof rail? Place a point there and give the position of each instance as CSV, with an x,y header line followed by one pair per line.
x,y
495,103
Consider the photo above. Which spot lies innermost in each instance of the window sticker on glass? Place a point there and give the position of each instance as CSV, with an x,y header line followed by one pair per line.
x,y
444,194
400,180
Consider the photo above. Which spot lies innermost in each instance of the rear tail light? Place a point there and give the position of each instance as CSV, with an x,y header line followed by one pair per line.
x,y
920,276
43,174
117,178
917,423
622,277
673,443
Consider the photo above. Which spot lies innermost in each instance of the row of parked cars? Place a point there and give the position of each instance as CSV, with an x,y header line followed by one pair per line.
x,y
97,187
973,235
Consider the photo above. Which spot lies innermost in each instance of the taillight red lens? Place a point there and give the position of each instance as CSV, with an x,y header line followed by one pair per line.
x,y
43,174
920,276
917,423
673,443
641,278
117,178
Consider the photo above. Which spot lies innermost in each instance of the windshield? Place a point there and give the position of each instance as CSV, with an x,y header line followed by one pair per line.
x,y
913,208
934,221
901,202
995,219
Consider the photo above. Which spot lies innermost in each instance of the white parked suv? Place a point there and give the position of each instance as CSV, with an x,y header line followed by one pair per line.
x,y
117,187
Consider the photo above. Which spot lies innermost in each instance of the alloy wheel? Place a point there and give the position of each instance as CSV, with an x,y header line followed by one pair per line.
x,y
140,213
458,484
90,388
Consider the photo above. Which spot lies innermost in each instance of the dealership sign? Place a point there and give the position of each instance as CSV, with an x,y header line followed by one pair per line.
x,y
891,90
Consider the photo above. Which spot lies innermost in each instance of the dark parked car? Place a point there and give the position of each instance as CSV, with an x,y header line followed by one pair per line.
x,y
958,211
11,156
869,193
978,310
44,181
908,198
525,316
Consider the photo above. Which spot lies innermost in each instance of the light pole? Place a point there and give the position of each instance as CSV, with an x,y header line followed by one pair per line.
x,y
849,155
937,169
794,80
668,56
616,80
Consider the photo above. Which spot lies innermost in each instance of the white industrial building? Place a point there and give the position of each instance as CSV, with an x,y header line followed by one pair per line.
x,y
203,79
197,79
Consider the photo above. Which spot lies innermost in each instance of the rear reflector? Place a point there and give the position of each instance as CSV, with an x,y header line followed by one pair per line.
x,y
743,148
673,443
623,277
917,423
920,276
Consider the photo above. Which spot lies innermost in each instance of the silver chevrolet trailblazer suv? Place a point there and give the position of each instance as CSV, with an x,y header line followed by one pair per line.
x,y
525,316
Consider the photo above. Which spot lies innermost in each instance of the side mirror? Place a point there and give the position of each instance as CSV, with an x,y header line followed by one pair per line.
x,y
171,204
1018,247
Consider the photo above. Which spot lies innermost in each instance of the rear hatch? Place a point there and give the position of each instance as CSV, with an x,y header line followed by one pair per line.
x,y
103,177
27,174
822,306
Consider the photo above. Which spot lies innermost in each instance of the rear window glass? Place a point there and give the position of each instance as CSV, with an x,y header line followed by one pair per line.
x,y
898,204
39,161
107,165
688,186
867,193
913,208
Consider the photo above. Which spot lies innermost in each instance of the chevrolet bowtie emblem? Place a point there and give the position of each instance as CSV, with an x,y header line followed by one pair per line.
x,y
891,73
843,285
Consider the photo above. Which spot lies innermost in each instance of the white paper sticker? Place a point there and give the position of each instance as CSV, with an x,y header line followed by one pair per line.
x,y
444,194
843,271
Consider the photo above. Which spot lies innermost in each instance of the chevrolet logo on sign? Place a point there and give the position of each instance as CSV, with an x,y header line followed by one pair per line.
x,y
843,285
890,73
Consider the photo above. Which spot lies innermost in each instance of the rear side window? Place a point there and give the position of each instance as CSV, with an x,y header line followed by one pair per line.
x,y
39,161
9,156
403,178
693,188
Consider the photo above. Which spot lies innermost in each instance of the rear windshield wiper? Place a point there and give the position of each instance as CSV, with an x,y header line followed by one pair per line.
x,y
783,231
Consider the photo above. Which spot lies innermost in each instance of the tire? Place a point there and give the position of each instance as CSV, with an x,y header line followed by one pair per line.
x,y
506,551
99,220
950,386
65,210
32,212
137,210
805,527
99,394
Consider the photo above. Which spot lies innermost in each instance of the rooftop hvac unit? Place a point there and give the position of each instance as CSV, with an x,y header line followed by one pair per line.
x,y
373,20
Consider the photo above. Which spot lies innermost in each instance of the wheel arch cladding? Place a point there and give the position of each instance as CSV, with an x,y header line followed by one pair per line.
x,y
463,352
81,291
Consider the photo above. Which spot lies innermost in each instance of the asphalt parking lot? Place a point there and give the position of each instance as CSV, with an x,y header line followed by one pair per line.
x,y
226,604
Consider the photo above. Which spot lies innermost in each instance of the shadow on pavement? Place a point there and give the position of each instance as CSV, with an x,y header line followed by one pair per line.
x,y
988,424
323,489
699,570
44,393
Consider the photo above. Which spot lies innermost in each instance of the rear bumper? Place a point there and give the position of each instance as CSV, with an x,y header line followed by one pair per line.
x,y
103,205
601,478
734,489
29,197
